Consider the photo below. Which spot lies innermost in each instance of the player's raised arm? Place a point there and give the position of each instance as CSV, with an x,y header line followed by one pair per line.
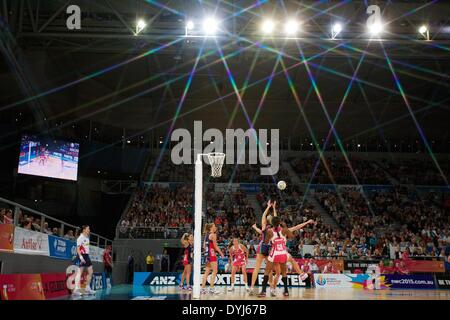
x,y
264,216
301,225
258,230
274,206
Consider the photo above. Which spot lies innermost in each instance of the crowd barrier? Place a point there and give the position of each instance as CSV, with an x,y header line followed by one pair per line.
x,y
47,285
174,278
23,241
318,280
355,266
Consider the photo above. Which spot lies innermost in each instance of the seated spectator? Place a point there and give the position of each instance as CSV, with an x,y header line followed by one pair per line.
x,y
55,232
28,224
69,235
329,268
47,229
8,217
312,266
37,224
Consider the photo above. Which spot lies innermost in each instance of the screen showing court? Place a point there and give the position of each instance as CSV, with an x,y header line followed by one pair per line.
x,y
47,157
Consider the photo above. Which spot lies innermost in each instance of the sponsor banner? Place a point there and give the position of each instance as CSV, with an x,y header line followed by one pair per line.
x,y
157,278
424,266
30,242
361,265
349,187
61,248
96,253
414,281
329,280
54,285
224,279
6,237
250,187
97,281
443,281
70,278
21,287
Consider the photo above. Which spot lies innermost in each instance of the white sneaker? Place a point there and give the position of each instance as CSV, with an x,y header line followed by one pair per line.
x,y
213,291
89,291
77,292
203,291
273,293
231,289
247,289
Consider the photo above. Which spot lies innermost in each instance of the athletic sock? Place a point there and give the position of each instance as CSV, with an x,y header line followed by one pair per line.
x,y
264,284
285,283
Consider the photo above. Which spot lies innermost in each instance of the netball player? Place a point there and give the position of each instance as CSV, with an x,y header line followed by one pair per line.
x,y
264,245
238,254
188,243
278,257
83,262
42,157
210,248
303,275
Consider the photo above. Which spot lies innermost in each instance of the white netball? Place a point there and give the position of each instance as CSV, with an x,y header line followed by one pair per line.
x,y
281,185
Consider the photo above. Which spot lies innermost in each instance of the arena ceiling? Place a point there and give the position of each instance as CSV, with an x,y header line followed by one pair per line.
x,y
61,80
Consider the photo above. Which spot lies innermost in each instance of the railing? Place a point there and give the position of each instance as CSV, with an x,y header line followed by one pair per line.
x,y
18,210
151,233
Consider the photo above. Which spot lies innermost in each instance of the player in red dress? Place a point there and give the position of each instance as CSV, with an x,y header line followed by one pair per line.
x,y
42,157
238,254
278,256
264,245
188,243
210,248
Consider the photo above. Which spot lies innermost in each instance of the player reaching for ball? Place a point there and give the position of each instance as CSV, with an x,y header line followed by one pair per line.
x,y
278,256
264,245
238,254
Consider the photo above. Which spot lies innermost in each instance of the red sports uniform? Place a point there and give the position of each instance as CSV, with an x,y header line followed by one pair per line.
x,y
210,253
278,251
239,259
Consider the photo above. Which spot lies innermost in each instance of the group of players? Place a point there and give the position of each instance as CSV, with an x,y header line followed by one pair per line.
x,y
272,249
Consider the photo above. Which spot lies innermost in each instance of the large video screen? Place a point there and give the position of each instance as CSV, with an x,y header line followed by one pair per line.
x,y
48,158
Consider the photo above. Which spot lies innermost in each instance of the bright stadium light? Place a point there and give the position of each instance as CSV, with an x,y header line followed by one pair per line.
x,y
190,25
291,27
210,26
423,30
337,28
268,26
140,25
376,28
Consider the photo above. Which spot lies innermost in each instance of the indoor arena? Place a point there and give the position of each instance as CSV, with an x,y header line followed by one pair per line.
x,y
268,152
